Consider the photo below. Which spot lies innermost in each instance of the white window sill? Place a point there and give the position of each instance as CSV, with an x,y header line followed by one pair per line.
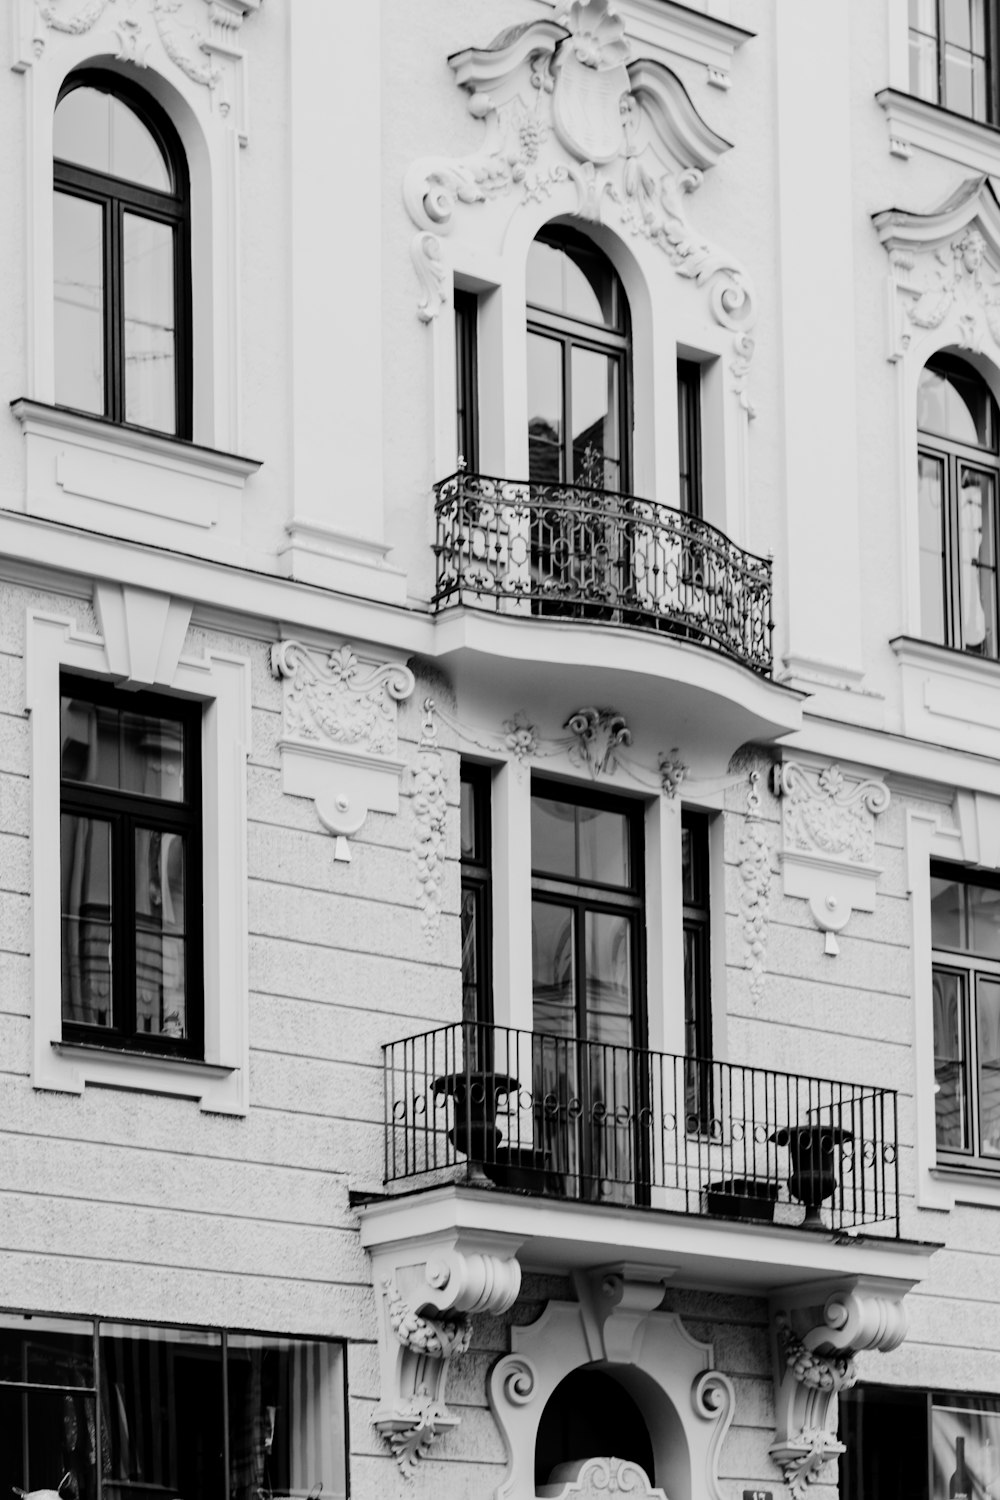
x,y
966,1184
125,481
917,123
85,1064
196,1066
949,697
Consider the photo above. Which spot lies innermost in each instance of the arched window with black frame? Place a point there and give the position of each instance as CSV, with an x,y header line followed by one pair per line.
x,y
958,469
122,257
578,364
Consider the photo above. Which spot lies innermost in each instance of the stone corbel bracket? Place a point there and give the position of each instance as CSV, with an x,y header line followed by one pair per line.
x,y
817,1332
428,1293
828,837
338,743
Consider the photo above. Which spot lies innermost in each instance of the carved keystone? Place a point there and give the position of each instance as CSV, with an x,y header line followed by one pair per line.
x,y
429,1292
817,1333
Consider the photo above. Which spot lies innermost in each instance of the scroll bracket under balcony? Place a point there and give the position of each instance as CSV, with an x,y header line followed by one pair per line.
x,y
817,1332
429,1288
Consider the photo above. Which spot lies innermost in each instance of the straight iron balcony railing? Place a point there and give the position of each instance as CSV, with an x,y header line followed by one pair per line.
x,y
572,552
595,1122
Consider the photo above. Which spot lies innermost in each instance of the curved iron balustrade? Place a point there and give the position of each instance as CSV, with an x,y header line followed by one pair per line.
x,y
598,1122
571,552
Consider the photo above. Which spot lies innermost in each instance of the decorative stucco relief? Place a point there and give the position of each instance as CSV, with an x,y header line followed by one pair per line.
x,y
828,829
755,887
597,736
338,743
429,1294
945,271
564,102
199,37
430,810
815,1346
596,1478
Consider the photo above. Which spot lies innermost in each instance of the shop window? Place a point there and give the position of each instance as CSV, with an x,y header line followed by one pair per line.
x,y
133,1412
122,257
958,468
918,1445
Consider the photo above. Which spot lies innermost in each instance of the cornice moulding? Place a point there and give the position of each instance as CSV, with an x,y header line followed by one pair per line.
x,y
663,26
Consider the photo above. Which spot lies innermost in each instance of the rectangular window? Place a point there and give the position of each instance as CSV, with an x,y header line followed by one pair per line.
x,y
689,436
467,378
697,965
918,1445
132,1412
965,928
589,1019
130,869
952,55
477,894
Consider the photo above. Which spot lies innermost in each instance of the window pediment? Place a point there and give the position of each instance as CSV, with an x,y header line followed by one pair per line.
x,y
571,114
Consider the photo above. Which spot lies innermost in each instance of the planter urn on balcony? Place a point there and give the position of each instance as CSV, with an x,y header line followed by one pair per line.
x,y
813,1177
475,1131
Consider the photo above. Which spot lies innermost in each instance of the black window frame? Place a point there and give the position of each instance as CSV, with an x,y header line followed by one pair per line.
x,y
477,882
690,498
953,456
697,930
467,379
124,811
117,197
970,966
570,333
902,1454
989,57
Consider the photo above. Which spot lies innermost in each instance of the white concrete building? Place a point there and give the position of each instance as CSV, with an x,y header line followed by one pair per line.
x,y
500,749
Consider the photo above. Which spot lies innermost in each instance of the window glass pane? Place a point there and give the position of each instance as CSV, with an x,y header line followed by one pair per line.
x,y
96,130
163,1432
48,1443
553,837
152,756
923,67
948,908
160,934
148,295
552,969
930,505
965,1447
46,1351
955,403
923,15
688,390
950,1066
603,844
286,1418
468,821
988,1035
79,302
86,920
977,561
545,409
962,86
573,281
90,742
608,940
471,1007
596,439
984,921
978,11
958,23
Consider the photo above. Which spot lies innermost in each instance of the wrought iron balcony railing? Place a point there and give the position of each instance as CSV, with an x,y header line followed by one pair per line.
x,y
578,553
600,1123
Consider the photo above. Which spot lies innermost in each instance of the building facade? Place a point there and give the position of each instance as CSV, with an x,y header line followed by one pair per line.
x,y
499,744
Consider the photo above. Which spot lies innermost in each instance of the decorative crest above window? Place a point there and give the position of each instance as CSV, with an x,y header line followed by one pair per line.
x,y
945,272
564,103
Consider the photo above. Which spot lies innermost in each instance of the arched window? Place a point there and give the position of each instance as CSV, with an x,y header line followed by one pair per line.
x,y
122,257
578,364
958,466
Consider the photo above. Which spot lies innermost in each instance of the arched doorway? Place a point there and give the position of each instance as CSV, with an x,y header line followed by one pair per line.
x,y
590,1415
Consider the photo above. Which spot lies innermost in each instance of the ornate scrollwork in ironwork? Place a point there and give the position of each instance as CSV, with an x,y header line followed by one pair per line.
x,y
572,552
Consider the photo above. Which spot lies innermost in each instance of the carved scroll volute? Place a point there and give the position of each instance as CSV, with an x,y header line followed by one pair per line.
x,y
815,1344
426,1322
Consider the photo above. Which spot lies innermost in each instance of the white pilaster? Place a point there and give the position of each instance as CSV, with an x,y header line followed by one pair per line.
x,y
335,532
